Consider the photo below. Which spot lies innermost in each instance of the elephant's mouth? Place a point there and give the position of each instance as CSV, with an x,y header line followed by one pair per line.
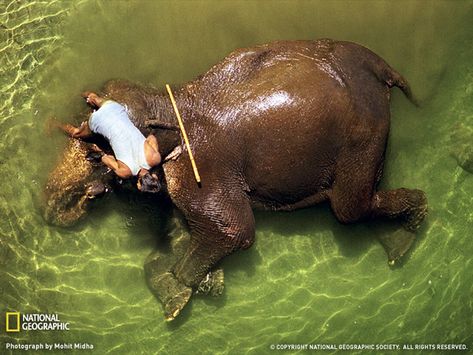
x,y
96,189
65,208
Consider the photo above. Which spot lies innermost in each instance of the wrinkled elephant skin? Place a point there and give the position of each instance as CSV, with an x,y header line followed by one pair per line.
x,y
279,126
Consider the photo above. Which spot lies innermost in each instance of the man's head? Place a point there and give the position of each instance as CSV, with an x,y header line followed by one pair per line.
x,y
148,182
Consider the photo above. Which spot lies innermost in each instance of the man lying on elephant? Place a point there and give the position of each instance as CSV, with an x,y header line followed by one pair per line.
x,y
135,155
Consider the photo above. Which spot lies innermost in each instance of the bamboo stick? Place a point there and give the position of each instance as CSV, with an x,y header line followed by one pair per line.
x,y
184,134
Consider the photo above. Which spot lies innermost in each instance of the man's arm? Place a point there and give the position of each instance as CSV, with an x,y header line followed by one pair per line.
x,y
120,169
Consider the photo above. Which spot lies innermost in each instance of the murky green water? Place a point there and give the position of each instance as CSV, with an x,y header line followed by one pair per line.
x,y
307,279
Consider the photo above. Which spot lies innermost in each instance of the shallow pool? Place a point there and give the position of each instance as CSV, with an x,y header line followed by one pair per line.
x,y
307,279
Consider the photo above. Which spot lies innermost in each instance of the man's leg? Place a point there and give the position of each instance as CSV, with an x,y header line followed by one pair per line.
x,y
153,142
69,129
152,151
83,131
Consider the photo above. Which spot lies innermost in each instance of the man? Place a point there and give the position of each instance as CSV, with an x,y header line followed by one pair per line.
x,y
135,155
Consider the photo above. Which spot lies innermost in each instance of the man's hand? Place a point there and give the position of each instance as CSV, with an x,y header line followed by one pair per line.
x,y
95,148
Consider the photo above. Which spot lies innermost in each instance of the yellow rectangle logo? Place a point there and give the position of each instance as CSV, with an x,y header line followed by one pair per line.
x,y
12,322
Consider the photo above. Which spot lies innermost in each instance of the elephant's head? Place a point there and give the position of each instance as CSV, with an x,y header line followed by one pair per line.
x,y
73,183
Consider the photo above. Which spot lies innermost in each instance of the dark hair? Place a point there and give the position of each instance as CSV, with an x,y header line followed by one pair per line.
x,y
150,183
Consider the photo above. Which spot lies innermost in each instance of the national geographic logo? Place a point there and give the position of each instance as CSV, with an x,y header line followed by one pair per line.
x,y
16,322
12,322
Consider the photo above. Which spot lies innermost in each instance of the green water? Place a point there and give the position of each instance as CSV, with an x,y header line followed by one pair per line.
x,y
307,279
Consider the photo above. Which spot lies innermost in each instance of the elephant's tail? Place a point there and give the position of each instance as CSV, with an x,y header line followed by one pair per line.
x,y
375,64
393,78
390,77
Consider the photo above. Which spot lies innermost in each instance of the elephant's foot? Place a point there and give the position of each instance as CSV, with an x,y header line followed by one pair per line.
x,y
417,211
212,284
173,294
169,291
175,305
397,244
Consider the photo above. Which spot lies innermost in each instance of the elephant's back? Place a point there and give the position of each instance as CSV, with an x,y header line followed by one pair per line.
x,y
281,111
280,57
249,82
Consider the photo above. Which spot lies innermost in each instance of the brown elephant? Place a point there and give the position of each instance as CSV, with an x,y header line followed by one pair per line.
x,y
279,126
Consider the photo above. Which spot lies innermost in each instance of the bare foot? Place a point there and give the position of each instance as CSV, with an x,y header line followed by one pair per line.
x,y
174,154
92,99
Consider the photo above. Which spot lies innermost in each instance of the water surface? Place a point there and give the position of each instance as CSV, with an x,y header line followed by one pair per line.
x,y
307,279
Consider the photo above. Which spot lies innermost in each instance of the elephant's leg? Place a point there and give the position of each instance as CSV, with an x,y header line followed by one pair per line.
x,y
353,198
159,262
410,207
225,226
162,284
213,282
161,281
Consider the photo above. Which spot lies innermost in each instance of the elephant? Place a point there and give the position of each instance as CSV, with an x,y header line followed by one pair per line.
x,y
73,183
78,179
277,126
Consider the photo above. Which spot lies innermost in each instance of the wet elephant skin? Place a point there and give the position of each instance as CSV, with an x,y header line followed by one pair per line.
x,y
73,183
279,126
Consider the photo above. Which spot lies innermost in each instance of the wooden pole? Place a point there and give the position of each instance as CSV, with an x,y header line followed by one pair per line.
x,y
184,134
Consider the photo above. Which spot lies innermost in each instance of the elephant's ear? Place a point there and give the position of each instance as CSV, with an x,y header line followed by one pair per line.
x,y
157,123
